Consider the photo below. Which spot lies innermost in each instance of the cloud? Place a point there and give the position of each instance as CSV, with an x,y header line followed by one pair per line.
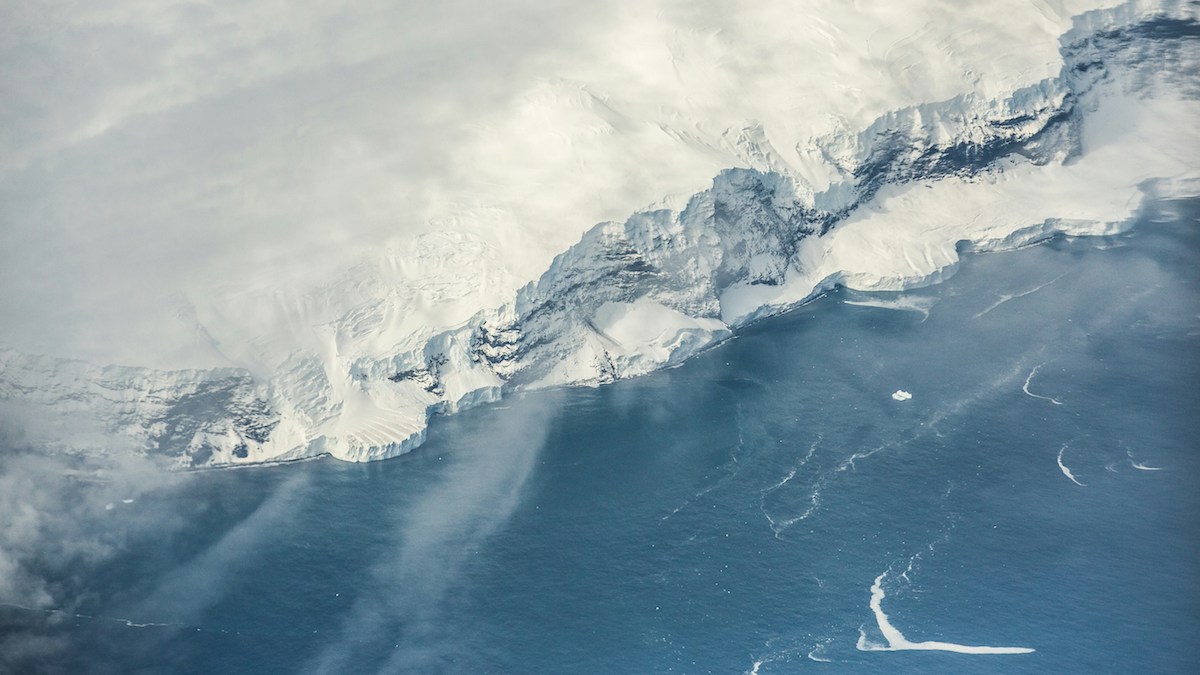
x,y
185,592
61,517
235,157
153,151
64,518
56,514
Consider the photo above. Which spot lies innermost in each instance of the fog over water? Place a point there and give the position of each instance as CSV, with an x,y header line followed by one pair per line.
x,y
768,505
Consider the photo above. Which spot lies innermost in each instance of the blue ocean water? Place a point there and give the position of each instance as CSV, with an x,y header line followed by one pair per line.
x,y
1041,489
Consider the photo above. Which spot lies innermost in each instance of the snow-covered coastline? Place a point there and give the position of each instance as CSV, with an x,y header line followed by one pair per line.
x,y
899,201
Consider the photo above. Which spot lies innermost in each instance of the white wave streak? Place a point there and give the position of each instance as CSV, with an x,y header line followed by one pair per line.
x,y
778,526
728,470
92,617
1063,467
788,655
850,461
816,654
1025,387
897,642
912,563
1140,466
812,450
791,474
1143,467
1004,297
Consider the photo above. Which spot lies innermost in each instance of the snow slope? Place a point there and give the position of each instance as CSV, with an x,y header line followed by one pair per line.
x,y
283,282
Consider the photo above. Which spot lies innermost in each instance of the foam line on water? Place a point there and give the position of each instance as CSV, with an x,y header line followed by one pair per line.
x,y
1140,466
783,481
1144,467
790,653
815,654
814,500
930,423
92,617
1063,467
897,642
777,527
1025,387
728,470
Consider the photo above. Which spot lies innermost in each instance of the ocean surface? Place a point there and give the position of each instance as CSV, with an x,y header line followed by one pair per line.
x,y
767,507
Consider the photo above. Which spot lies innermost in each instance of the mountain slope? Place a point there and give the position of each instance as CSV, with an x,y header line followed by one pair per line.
x,y
887,207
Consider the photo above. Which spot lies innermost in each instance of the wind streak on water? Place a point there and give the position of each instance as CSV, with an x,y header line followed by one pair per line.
x,y
189,590
1006,297
449,520
920,305
728,470
930,423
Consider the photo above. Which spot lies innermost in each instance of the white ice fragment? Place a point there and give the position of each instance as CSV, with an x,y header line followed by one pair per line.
x,y
901,395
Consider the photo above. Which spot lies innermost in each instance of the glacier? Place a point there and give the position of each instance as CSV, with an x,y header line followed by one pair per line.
x,y
1060,121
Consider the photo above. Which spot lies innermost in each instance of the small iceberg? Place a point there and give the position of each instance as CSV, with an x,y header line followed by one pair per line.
x,y
901,395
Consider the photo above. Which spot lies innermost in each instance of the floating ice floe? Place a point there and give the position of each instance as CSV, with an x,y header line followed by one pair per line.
x,y
901,395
